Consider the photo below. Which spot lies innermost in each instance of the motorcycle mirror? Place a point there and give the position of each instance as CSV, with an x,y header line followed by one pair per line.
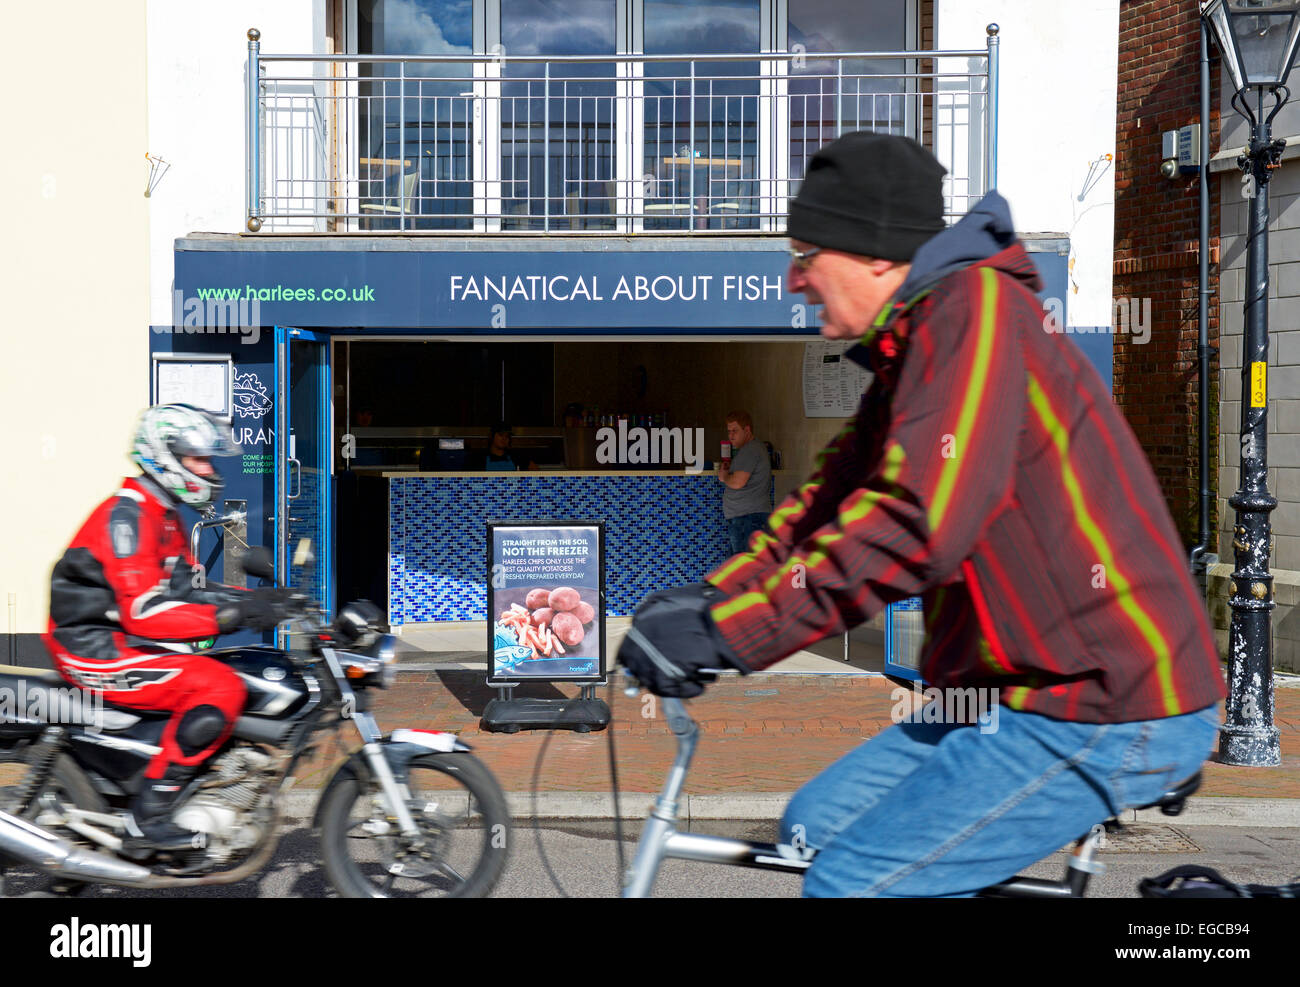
x,y
258,562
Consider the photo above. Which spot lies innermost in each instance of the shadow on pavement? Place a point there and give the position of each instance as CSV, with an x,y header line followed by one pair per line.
x,y
472,692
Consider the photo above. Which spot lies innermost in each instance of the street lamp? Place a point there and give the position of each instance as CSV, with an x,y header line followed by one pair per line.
x,y
1257,39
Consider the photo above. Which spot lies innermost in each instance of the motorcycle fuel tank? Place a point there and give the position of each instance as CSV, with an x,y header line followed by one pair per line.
x,y
276,689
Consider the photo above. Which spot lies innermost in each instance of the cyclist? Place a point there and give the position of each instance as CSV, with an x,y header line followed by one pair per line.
x,y
988,472
127,600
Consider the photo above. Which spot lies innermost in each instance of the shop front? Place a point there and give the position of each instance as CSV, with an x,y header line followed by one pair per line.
x,y
368,381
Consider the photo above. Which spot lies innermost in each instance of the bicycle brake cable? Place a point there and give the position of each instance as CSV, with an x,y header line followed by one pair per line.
x,y
537,830
613,773
618,816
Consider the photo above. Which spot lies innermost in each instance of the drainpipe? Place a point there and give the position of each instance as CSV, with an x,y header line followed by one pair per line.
x,y
1201,555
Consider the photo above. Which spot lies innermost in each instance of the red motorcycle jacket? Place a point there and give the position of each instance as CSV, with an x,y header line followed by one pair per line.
x,y
127,579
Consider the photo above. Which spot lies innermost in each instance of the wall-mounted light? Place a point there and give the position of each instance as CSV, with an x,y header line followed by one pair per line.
x,y
1180,152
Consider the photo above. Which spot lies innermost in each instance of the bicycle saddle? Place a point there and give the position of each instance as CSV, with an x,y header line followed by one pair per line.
x,y
1171,803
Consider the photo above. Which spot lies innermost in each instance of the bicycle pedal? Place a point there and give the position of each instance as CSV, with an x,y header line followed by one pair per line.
x,y
790,852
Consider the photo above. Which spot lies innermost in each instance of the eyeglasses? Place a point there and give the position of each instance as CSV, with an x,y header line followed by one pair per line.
x,y
803,258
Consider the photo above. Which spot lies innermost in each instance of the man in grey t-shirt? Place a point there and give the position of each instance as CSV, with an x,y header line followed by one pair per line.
x,y
747,501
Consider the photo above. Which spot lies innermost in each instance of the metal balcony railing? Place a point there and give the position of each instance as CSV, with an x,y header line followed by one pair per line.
x,y
632,144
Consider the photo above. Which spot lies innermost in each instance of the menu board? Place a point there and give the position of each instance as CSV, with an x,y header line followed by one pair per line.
x,y
546,600
204,382
832,383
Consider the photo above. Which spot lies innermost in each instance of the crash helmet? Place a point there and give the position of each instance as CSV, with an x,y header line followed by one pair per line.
x,y
168,432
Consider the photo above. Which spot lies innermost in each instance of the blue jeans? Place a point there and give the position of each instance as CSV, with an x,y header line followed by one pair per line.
x,y
740,528
934,809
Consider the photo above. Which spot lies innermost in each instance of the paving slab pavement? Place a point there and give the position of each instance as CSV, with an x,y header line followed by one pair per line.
x,y
761,737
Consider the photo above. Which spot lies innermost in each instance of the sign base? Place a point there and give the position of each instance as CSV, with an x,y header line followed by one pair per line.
x,y
512,715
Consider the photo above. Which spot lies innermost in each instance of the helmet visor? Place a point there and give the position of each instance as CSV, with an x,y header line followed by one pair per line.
x,y
206,437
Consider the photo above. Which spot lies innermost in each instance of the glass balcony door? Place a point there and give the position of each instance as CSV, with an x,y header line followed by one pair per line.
x,y
829,96
701,119
558,120
417,122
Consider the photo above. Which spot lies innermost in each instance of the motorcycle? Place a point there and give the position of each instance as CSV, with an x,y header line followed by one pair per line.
x,y
413,813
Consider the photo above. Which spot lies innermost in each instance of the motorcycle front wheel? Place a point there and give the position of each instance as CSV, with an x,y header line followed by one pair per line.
x,y
464,833
66,785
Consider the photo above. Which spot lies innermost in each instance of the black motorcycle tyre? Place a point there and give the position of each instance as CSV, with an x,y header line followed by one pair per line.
x,y
336,807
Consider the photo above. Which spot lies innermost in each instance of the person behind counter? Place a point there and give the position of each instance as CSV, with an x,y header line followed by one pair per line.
x,y
498,455
747,501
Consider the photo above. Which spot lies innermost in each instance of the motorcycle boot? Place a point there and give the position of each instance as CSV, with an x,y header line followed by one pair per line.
x,y
152,812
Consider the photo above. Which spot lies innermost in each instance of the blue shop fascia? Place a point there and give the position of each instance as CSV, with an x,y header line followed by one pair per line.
x,y
360,376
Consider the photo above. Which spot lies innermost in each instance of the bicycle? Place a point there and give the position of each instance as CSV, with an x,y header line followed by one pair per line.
x,y
660,838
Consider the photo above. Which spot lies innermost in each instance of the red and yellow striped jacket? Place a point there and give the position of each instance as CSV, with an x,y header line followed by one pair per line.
x,y
988,472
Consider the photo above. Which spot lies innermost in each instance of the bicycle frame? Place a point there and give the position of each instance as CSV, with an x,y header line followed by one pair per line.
x,y
660,839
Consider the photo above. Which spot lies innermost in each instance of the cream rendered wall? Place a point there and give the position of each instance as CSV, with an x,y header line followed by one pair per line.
x,y
1056,124
73,373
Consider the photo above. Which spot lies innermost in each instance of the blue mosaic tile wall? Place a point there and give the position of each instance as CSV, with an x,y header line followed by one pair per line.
x,y
306,507
660,531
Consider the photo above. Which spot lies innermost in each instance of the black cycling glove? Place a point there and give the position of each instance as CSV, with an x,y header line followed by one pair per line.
x,y
261,609
673,639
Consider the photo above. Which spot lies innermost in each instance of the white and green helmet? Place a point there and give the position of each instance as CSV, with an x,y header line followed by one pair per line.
x,y
167,432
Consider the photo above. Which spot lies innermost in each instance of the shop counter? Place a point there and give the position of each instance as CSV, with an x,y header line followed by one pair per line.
x,y
662,529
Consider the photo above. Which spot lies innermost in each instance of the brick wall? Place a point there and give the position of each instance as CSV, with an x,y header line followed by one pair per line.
x,y
1156,255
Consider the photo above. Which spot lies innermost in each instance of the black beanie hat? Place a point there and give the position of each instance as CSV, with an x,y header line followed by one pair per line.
x,y
871,194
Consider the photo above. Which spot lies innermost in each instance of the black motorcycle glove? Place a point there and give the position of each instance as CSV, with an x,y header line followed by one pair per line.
x,y
673,639
261,609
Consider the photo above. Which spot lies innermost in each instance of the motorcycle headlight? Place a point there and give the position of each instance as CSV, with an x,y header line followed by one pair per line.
x,y
357,624
377,666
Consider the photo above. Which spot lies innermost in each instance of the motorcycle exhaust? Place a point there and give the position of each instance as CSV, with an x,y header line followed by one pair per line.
x,y
32,845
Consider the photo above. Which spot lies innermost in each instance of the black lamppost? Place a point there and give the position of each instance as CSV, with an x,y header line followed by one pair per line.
x,y
1257,39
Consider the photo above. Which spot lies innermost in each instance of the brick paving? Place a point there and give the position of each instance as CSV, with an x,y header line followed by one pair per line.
x,y
761,733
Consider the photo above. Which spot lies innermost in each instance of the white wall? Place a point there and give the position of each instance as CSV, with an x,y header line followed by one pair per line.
x,y
197,54
1056,119
75,280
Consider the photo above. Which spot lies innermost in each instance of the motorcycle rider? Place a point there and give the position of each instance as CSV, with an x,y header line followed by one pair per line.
x,y
127,601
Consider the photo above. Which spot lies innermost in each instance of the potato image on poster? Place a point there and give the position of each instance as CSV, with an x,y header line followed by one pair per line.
x,y
568,628
564,598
